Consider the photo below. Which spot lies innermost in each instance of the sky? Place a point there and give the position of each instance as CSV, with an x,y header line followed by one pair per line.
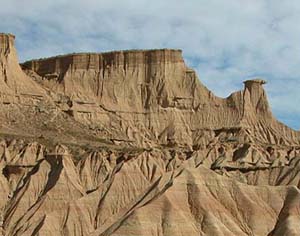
x,y
225,41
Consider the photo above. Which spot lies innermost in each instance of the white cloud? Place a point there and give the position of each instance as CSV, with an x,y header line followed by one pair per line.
x,y
226,41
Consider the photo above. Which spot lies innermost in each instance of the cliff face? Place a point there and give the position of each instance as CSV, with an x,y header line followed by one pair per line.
x,y
12,79
152,95
8,62
115,79
7,43
132,143
25,107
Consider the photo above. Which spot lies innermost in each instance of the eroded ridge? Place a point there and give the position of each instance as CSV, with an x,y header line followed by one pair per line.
x,y
114,192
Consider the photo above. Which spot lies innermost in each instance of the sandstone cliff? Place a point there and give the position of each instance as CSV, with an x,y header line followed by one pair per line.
x,y
13,80
132,143
153,96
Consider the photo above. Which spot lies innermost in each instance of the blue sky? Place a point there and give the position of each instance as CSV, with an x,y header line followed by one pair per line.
x,y
226,41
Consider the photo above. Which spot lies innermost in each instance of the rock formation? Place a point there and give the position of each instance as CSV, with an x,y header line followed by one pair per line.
x,y
132,143
152,97
13,80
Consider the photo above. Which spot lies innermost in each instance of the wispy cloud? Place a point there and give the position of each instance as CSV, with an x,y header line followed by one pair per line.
x,y
226,41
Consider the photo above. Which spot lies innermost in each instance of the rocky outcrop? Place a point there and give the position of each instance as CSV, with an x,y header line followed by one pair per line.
x,y
153,97
26,109
13,81
132,143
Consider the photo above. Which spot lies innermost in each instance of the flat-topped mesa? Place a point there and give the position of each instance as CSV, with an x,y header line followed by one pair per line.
x,y
148,95
129,80
103,61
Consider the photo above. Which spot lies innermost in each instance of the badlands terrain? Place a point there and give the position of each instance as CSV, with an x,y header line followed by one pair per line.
x,y
131,143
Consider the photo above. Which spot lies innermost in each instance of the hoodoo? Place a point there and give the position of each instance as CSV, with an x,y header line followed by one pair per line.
x,y
257,94
132,143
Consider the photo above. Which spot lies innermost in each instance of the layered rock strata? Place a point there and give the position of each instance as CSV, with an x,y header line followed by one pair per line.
x,y
153,97
132,143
